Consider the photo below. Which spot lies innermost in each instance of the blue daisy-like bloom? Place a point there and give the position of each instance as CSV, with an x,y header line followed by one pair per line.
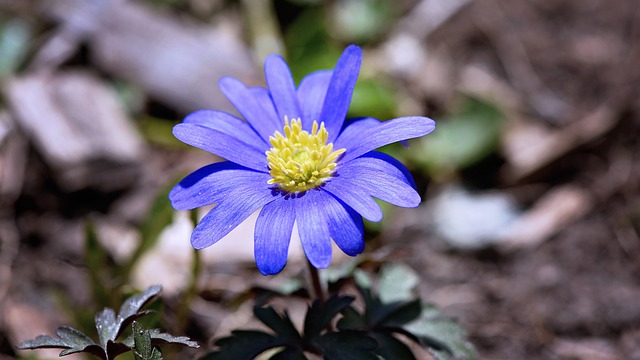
x,y
298,160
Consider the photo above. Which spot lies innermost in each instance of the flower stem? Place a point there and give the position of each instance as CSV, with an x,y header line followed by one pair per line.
x,y
318,290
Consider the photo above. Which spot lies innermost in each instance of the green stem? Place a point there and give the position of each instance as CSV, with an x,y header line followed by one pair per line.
x,y
318,290
184,308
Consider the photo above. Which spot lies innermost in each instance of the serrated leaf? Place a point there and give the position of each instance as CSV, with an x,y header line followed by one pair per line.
x,y
347,345
446,338
244,345
70,339
282,325
134,303
143,348
130,308
43,341
107,326
397,283
158,338
320,314
79,341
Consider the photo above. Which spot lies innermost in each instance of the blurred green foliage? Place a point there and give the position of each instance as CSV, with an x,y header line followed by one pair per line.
x,y
461,139
15,37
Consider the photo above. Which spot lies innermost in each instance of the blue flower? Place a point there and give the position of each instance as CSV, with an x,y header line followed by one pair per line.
x,y
298,160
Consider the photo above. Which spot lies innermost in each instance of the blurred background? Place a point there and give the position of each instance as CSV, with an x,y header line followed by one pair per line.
x,y
529,231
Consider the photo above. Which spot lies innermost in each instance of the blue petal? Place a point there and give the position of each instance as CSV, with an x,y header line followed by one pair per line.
x,y
311,94
343,81
387,164
356,199
273,234
313,227
379,179
211,184
269,114
355,126
244,99
221,144
228,124
345,226
281,87
387,132
241,201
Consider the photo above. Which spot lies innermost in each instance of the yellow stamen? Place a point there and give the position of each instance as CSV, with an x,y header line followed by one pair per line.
x,y
299,160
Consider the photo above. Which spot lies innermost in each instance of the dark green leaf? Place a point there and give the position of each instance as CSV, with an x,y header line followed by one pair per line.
x,y
107,326
244,345
130,309
143,349
390,348
443,336
43,341
320,314
352,320
289,354
347,345
134,303
158,338
282,325
399,313
79,341
72,340
116,348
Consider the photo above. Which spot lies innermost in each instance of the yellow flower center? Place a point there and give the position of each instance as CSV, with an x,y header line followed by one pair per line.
x,y
299,160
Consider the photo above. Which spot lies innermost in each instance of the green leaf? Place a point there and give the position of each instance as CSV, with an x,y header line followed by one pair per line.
x,y
446,338
399,313
308,44
158,132
15,36
358,21
130,308
244,345
460,140
98,266
143,348
76,338
70,339
159,216
282,325
289,354
390,348
347,345
373,98
320,314
159,338
397,283
352,320
107,326
379,314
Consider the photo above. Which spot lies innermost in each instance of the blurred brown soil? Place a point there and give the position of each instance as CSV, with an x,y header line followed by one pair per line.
x,y
574,295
